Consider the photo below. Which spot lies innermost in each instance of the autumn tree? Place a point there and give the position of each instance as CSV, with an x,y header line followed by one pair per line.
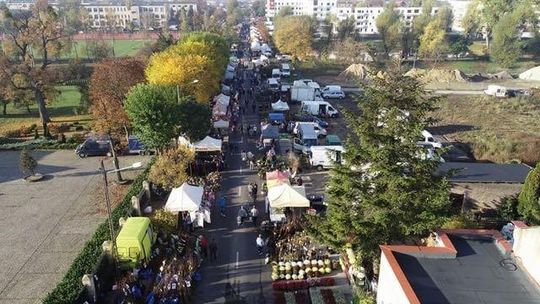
x,y
26,33
170,170
109,83
384,192
433,42
390,27
197,56
294,35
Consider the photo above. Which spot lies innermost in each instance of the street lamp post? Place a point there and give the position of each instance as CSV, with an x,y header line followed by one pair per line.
x,y
108,203
178,88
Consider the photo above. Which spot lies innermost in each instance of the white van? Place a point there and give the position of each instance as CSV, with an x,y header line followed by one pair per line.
x,y
276,73
333,91
273,84
321,132
285,70
324,157
427,139
306,138
319,108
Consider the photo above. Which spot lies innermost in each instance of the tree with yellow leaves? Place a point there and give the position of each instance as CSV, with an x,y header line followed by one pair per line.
x,y
199,56
294,35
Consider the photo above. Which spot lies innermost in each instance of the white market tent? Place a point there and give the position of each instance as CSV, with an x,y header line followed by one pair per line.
x,y
531,74
221,124
280,106
266,48
208,144
185,198
222,99
285,195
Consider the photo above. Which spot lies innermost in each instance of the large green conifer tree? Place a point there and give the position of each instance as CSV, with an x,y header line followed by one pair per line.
x,y
386,190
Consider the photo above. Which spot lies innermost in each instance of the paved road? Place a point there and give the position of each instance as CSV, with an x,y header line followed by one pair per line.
x,y
44,225
239,274
439,92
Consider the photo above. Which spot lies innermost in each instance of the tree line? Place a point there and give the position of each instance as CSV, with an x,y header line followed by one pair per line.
x,y
500,22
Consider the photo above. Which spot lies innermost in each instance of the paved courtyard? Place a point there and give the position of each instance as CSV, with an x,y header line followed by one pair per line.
x,y
44,225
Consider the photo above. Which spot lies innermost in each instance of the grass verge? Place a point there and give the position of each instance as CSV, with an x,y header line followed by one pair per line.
x,y
498,130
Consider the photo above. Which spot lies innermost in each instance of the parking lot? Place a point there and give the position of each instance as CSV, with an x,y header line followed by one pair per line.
x,y
43,225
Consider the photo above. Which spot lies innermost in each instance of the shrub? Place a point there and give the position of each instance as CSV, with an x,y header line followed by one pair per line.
x,y
69,288
508,208
27,163
164,221
170,169
529,197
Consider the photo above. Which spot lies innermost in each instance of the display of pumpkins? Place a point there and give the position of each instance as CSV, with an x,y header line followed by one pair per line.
x,y
299,270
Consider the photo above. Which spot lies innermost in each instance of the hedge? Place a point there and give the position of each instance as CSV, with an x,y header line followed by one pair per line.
x,y
40,143
69,288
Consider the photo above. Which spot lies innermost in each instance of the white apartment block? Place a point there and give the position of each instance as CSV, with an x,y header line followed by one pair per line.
x,y
142,13
364,16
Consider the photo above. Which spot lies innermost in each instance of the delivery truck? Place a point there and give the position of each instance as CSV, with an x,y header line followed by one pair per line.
x,y
135,240
318,108
325,157
302,90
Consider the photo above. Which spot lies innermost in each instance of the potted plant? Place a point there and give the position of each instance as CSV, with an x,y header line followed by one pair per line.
x,y
28,165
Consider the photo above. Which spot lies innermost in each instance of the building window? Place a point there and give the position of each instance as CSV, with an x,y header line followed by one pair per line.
x,y
416,11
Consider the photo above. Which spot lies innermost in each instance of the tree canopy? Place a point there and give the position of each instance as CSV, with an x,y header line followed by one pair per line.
x,y
385,190
198,56
154,113
294,35
171,168
111,80
390,27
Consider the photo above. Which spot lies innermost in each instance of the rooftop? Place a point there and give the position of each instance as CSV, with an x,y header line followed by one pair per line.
x,y
471,267
486,172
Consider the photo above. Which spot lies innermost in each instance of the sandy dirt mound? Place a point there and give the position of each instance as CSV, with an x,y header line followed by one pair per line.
x,y
532,74
355,71
437,75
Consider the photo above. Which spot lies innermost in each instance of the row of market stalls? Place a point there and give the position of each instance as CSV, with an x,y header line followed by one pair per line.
x,y
281,195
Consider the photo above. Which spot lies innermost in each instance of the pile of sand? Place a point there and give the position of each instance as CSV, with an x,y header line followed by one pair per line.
x,y
355,71
437,75
532,74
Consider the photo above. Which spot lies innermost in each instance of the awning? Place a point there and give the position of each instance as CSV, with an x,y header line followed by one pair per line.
x,y
221,124
208,144
276,117
276,178
280,106
269,131
185,198
222,99
285,195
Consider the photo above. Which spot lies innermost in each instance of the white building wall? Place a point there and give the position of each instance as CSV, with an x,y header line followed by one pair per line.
x,y
527,247
364,16
389,290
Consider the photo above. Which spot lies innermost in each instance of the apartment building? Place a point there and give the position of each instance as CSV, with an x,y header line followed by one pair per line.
x,y
364,16
144,14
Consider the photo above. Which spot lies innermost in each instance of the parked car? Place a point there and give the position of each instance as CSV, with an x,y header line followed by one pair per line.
x,y
321,132
333,91
283,57
311,118
135,146
93,147
285,70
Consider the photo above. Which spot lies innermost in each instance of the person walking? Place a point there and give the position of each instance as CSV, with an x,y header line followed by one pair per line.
x,y
204,246
213,250
243,155
242,214
254,215
222,203
260,244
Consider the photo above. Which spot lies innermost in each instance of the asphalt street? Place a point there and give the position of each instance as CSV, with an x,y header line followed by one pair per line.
x,y
239,274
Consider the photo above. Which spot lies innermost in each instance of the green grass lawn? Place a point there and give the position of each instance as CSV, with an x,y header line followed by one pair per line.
x,y
63,109
121,48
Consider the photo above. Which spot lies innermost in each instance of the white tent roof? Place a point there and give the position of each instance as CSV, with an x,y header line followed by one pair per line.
x,y
280,106
185,198
222,99
230,68
221,124
208,144
531,74
285,195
